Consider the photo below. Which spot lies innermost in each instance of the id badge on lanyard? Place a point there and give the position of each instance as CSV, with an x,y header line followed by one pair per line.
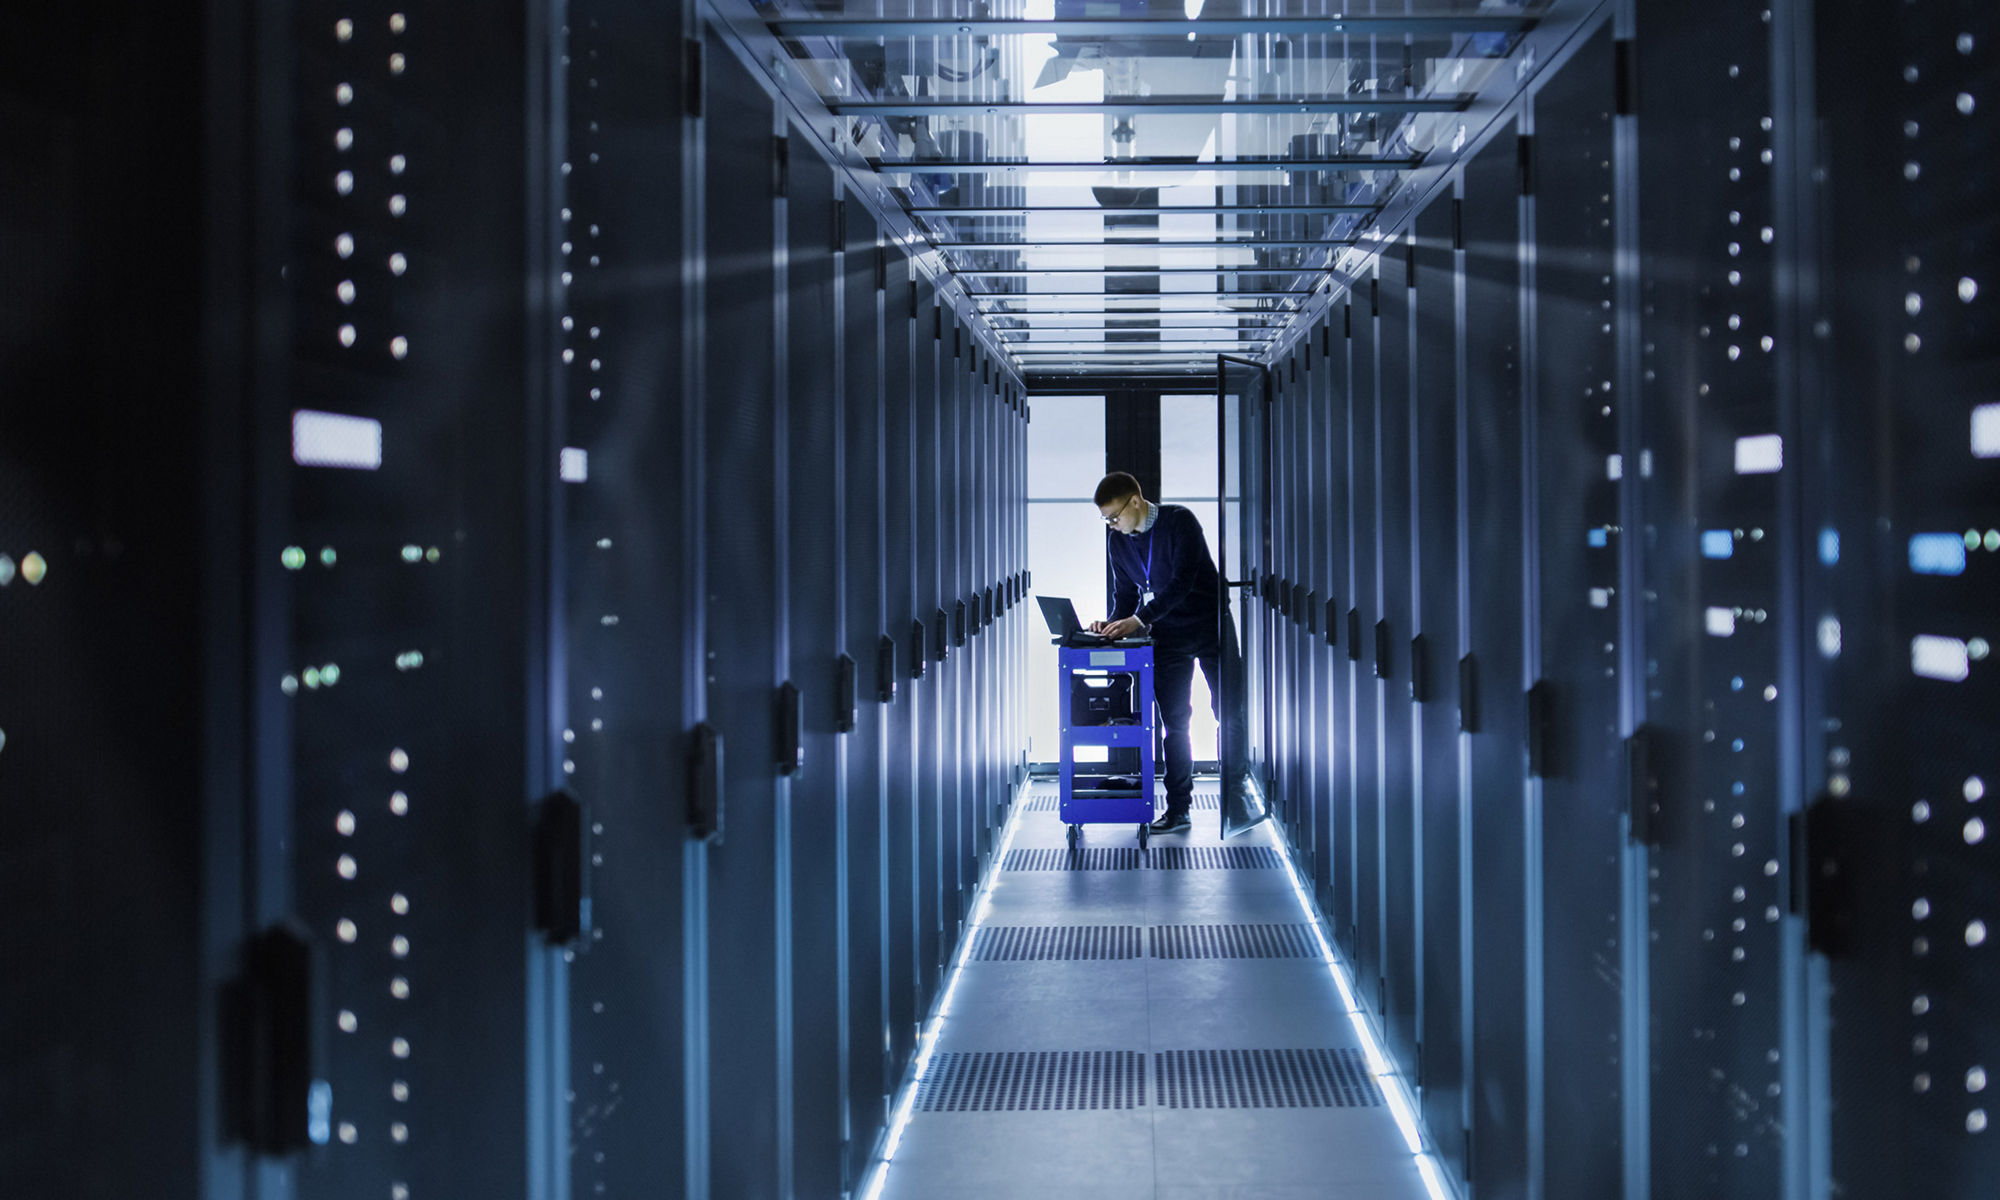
x,y
1146,593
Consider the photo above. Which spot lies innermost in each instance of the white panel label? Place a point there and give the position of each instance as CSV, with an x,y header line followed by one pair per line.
x,y
575,465
323,439
1721,621
1760,455
1945,658
1986,431
1107,658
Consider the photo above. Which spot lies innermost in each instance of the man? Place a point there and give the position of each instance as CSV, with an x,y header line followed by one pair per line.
x,y
1164,586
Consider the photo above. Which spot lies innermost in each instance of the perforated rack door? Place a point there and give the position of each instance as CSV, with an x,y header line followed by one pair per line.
x,y
814,857
865,572
1574,737
1397,984
899,598
120,597
1710,490
1901,562
1438,601
1494,564
1337,844
741,593
630,555
395,586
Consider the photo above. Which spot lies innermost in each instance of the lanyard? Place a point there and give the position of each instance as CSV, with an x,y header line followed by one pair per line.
x,y
1149,562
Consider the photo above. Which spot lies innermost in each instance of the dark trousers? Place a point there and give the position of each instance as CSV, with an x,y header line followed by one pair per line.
x,y
1173,686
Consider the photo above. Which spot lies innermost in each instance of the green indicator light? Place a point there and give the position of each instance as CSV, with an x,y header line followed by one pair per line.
x,y
327,557
412,553
1972,539
312,677
432,554
294,557
1993,539
329,674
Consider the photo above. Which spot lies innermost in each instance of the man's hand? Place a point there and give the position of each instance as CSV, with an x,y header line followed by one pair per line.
x,y
1119,629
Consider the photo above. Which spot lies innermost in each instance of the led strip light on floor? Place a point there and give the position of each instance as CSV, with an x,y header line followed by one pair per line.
x,y
927,1041
1401,1103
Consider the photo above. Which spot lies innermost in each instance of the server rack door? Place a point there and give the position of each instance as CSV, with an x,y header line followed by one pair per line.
x,y
1493,456
866,560
1708,397
1295,693
931,813
1391,634
1899,549
1441,1035
1324,513
814,852
953,673
1338,843
392,784
118,817
1364,515
1576,561
899,591
742,530
627,556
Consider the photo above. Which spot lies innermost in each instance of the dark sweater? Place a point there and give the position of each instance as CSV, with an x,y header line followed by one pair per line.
x,y
1183,611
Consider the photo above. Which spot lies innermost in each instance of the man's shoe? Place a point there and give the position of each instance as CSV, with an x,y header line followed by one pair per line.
x,y
1172,821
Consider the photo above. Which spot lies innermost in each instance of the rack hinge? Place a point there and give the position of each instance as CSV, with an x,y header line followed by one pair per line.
x,y
1541,719
277,1106
562,869
1642,785
791,729
1468,695
692,85
885,670
844,698
704,792
1625,70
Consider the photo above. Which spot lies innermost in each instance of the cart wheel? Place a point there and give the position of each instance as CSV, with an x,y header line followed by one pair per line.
x,y
1075,834
1145,832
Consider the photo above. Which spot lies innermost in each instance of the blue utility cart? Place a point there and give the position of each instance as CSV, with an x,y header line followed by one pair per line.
x,y
1106,697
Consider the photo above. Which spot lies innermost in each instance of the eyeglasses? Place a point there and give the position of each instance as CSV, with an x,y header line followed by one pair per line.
x,y
1119,511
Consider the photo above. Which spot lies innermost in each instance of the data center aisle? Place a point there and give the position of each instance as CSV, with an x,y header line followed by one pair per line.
x,y
1164,1028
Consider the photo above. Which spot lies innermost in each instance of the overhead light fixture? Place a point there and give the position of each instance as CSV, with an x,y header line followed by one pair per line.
x,y
1193,10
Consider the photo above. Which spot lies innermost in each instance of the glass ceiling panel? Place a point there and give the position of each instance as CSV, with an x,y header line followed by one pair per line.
x,y
1195,161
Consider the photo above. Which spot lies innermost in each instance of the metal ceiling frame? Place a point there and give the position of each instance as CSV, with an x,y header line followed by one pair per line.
x,y
913,106
958,166
1131,243
1127,27
1149,210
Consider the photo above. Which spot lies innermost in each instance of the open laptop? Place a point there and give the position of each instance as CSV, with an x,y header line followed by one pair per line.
x,y
1061,616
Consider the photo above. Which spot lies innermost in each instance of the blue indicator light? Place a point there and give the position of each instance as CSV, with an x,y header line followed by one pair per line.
x,y
1600,538
1829,547
1717,543
1937,554
319,1112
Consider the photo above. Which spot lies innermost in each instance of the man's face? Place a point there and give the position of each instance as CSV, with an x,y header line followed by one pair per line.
x,y
1123,515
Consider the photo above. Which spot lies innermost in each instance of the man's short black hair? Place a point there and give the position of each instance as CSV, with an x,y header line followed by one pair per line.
x,y
1116,486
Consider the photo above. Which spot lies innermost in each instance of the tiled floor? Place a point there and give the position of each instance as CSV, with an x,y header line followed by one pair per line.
x,y
1152,1151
